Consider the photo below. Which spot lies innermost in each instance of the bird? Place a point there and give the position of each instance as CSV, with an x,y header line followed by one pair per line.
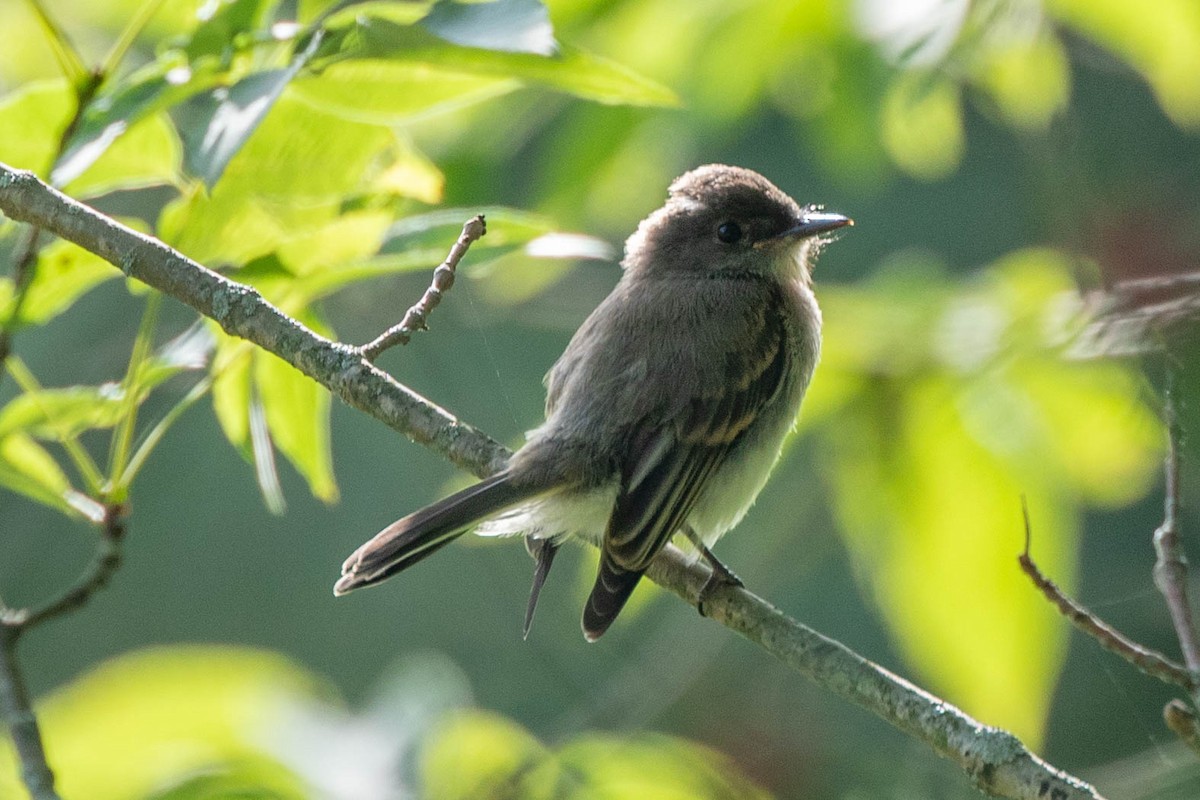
x,y
669,407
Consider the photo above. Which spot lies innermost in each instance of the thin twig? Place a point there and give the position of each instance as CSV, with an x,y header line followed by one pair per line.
x,y
1151,662
105,562
995,760
1170,569
443,278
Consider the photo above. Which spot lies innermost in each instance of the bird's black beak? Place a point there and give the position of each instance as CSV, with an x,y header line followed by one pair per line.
x,y
815,223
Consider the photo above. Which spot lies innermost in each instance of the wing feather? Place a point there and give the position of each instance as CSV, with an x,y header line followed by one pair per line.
x,y
674,457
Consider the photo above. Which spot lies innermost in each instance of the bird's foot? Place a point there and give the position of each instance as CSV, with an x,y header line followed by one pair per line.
x,y
719,578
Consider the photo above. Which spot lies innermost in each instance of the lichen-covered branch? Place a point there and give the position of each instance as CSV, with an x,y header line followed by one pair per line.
x,y
243,312
994,760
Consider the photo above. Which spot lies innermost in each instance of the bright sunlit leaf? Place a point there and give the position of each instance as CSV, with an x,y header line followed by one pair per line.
x,y
1161,42
31,120
163,723
27,468
55,413
948,409
1030,82
216,125
922,126
517,26
280,184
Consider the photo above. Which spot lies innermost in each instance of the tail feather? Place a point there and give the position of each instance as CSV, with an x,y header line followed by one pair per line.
x,y
613,587
424,532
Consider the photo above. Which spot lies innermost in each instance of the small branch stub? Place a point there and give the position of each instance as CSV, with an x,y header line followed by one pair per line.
x,y
443,278
1182,721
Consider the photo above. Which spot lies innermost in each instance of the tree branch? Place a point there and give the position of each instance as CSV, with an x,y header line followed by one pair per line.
x,y
995,760
443,278
18,715
244,313
15,707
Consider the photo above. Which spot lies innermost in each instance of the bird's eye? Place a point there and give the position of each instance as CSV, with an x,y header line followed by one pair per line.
x,y
729,232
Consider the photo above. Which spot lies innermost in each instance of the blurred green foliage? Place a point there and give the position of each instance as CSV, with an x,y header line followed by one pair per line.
x,y
186,723
305,146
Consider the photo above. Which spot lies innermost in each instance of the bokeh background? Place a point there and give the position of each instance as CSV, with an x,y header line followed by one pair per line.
x,y
995,155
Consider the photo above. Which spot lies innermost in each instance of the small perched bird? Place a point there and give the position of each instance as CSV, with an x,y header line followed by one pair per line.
x,y
668,409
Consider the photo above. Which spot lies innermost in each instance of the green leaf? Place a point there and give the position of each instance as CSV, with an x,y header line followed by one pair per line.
x,y
185,712
188,351
1029,81
293,174
297,413
248,778
1163,46
480,754
56,413
147,155
516,26
124,148
930,447
266,473
216,124
231,390
475,754
422,241
151,89
224,25
345,239
31,121
373,70
393,92
652,765
922,126
65,272
26,468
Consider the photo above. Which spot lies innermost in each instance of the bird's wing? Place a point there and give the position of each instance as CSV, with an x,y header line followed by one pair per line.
x,y
671,461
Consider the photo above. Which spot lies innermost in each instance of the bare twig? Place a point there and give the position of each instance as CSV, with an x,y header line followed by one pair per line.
x,y
443,278
104,563
15,707
995,760
1149,661
1170,569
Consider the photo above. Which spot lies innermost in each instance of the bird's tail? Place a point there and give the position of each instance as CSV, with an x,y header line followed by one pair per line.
x,y
424,532
613,587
